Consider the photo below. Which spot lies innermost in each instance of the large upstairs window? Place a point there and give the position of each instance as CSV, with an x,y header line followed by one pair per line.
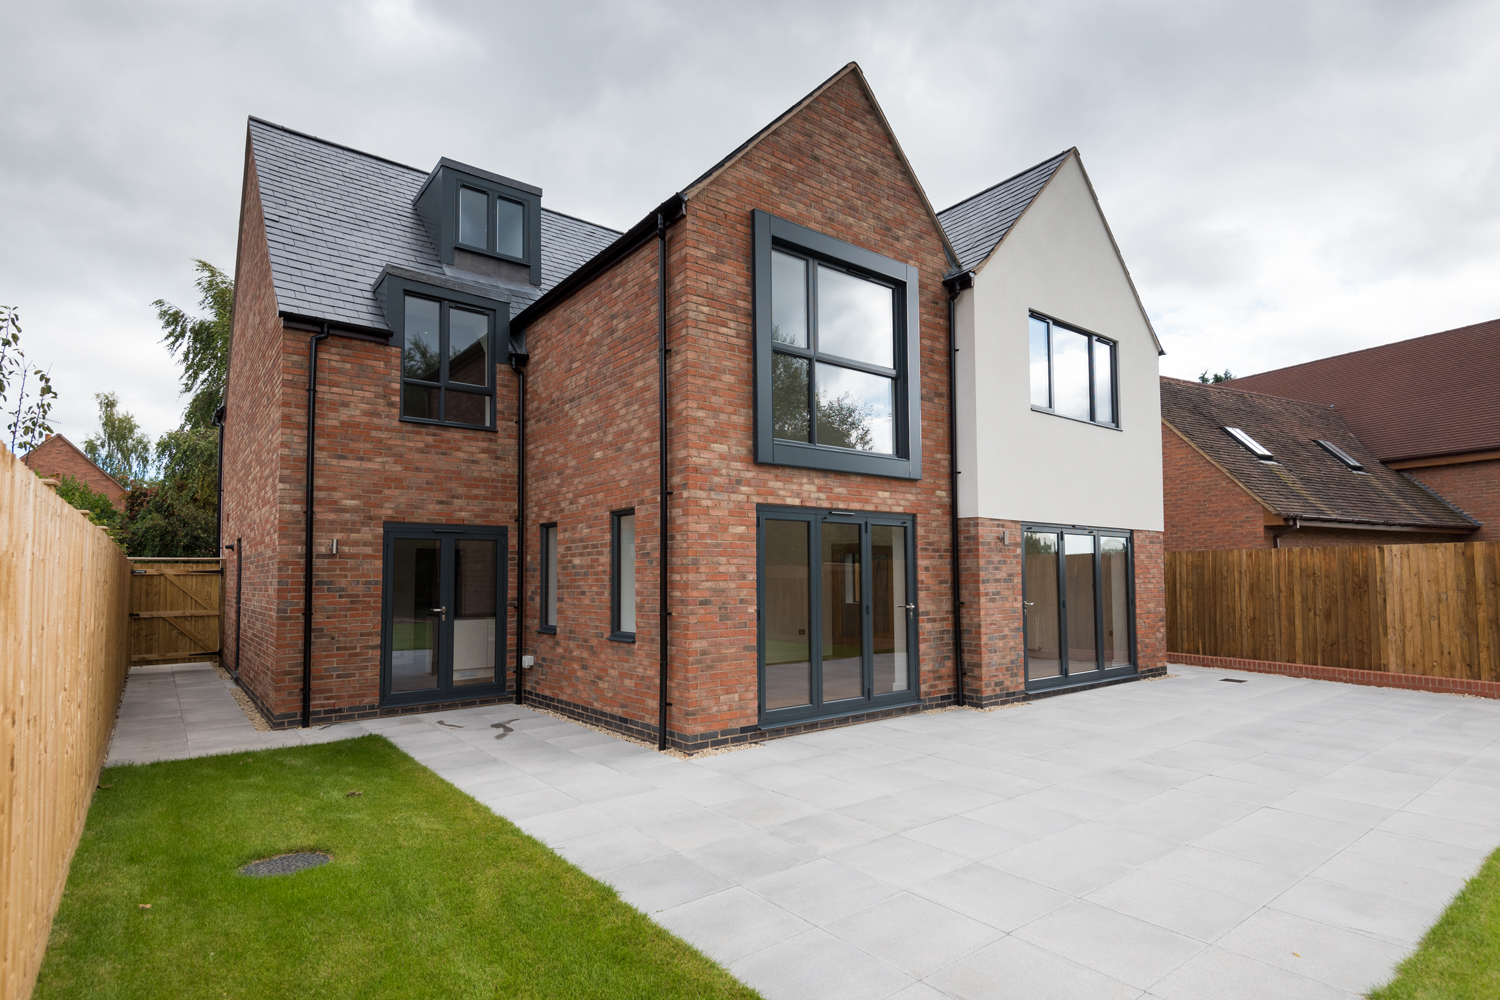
x,y
1073,373
447,363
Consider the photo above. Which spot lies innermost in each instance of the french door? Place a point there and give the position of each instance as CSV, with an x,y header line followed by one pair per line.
x,y
1078,603
443,626
838,613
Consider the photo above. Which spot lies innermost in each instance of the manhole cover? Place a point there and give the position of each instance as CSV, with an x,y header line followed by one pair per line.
x,y
285,864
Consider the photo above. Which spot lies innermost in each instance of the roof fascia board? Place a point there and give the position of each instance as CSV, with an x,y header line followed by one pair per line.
x,y
239,242
1456,458
1229,475
1072,152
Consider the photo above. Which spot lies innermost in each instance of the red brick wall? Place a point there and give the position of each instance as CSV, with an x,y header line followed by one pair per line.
x,y
1204,508
1150,600
57,457
592,442
1304,538
1474,488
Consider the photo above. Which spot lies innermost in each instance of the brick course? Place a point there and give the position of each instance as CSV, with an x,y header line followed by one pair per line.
x,y
1472,487
1345,675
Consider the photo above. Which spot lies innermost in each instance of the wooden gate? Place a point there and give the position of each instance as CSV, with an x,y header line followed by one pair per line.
x,y
175,610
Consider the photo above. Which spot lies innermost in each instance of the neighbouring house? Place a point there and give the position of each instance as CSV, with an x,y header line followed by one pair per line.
x,y
1251,471
693,481
1429,407
57,457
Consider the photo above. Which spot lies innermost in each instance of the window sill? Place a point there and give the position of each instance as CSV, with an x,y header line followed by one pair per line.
x,y
622,637
825,459
1076,420
444,423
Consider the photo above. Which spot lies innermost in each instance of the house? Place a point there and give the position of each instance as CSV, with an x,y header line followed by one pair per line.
x,y
692,482
1246,470
57,457
1428,407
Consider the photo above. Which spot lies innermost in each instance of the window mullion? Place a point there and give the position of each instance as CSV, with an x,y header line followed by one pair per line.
x,y
1051,383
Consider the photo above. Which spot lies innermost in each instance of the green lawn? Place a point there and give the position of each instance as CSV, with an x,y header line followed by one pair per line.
x,y
429,894
1459,959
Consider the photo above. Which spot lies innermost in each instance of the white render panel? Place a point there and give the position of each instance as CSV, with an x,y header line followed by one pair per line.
x,y
1019,464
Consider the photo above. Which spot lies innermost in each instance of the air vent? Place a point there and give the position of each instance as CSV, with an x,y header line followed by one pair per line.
x,y
1257,449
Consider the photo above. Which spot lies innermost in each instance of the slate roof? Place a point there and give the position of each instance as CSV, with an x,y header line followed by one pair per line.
x,y
1305,481
1428,396
976,225
335,216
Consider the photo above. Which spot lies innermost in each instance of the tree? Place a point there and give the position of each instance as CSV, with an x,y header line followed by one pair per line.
x,y
1213,378
77,492
841,420
28,425
120,448
201,343
176,514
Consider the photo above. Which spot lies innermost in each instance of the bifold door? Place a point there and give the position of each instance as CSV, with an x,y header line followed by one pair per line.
x,y
444,621
838,613
1077,603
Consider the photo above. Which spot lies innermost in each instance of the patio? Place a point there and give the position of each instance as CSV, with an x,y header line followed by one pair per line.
x,y
1178,838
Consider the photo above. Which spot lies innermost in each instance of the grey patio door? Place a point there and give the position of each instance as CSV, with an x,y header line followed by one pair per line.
x,y
837,613
1077,605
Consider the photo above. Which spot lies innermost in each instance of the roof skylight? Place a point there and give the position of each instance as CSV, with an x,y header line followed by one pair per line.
x,y
1256,448
1342,455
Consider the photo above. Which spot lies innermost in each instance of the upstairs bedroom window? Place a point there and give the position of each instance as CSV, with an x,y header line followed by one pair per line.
x,y
1073,373
489,222
447,363
837,376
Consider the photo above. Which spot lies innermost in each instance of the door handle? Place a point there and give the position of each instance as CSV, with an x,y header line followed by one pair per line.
x,y
443,611
1029,604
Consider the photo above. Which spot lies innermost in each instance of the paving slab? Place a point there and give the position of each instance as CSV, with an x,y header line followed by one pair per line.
x,y
1174,839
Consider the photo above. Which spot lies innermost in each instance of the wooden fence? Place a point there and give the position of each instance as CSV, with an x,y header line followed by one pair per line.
x,y
64,597
175,610
1410,609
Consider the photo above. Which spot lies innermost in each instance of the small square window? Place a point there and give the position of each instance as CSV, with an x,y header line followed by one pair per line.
x,y
1253,446
622,576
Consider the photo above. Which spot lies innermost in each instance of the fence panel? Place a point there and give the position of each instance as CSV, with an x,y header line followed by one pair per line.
x,y
64,600
175,610
1413,609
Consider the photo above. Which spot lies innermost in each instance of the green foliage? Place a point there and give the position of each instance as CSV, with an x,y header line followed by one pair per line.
x,y
841,420
76,492
176,514
1459,958
201,343
120,448
28,425
1213,378
429,893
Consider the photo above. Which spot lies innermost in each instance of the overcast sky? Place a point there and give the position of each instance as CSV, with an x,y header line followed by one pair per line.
x,y
1286,181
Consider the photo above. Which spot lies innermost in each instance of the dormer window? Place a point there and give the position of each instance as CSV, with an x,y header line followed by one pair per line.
x,y
489,222
1255,448
483,223
1352,463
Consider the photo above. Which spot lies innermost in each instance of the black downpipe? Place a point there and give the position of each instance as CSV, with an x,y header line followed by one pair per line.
x,y
219,509
239,599
307,550
516,362
955,285
666,494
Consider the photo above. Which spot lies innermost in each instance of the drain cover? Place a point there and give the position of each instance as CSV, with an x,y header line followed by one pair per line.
x,y
1233,680
285,864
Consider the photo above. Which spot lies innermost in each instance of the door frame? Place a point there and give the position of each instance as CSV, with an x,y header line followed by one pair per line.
x,y
447,533
1094,674
815,517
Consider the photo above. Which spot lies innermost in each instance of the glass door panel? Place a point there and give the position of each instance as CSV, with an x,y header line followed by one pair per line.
x,y
1114,579
1043,613
787,598
416,614
474,604
843,613
890,612
1078,571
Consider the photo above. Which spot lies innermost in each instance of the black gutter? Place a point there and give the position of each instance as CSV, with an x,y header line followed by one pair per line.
x,y
307,549
518,361
955,284
666,494
671,210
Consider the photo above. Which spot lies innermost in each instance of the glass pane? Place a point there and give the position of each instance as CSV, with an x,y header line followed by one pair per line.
x,y
1078,571
475,595
626,583
1115,581
788,605
856,409
468,408
1070,373
890,614
549,585
788,300
416,589
1104,382
1041,377
472,208
421,401
843,606
468,347
510,228
1043,644
421,356
856,318
789,400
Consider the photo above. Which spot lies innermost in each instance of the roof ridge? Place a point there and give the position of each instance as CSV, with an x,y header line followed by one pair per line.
x,y
338,145
1225,386
1018,173
1376,347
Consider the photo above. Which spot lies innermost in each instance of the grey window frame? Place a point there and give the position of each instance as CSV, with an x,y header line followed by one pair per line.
x,y
1347,460
491,227
548,576
437,206
443,383
1114,371
615,632
772,233
1097,674
1252,444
